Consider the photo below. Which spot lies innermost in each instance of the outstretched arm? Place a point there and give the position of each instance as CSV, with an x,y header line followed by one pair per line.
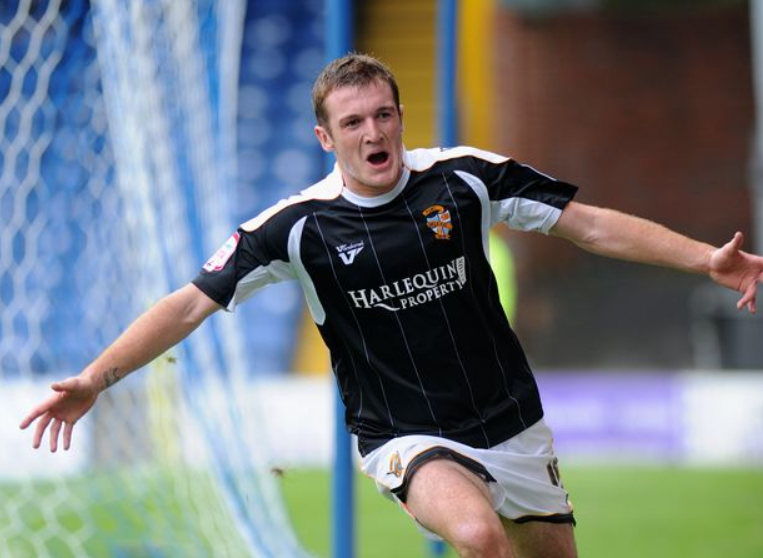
x,y
617,235
164,325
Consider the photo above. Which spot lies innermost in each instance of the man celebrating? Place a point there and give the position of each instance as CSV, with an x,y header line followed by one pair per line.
x,y
391,252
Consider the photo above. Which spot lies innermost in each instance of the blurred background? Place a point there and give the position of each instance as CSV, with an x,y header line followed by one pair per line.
x,y
136,135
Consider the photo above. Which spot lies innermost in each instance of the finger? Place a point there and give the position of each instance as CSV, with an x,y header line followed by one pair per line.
x,y
737,241
31,417
735,244
39,410
65,385
68,427
41,426
749,298
54,431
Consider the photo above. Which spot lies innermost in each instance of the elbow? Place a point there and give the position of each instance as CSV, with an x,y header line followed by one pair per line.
x,y
581,224
189,306
589,238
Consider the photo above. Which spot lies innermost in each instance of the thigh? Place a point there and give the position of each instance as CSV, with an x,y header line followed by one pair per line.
x,y
455,503
539,539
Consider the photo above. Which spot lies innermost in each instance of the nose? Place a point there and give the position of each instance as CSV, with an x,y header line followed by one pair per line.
x,y
373,131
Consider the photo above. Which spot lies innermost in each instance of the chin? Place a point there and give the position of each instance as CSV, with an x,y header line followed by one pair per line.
x,y
383,184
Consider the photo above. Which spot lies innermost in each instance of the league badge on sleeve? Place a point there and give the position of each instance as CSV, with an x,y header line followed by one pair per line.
x,y
223,254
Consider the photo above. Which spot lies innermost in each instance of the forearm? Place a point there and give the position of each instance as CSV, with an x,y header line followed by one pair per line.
x,y
617,235
161,327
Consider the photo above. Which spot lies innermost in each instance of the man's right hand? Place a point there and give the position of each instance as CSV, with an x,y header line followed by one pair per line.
x,y
161,327
73,398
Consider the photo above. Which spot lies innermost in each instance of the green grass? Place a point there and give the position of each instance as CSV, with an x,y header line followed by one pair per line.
x,y
383,529
624,512
659,512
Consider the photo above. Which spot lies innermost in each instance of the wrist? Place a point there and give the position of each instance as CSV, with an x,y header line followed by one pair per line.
x,y
101,378
706,266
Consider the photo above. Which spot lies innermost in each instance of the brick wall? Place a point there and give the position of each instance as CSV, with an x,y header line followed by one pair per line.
x,y
649,114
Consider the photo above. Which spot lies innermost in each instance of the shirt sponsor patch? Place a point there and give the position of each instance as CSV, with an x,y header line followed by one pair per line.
x,y
223,254
414,290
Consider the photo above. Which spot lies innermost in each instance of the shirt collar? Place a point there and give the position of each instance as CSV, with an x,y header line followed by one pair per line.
x,y
376,201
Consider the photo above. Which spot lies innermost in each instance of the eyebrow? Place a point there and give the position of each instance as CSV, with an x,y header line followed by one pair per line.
x,y
382,108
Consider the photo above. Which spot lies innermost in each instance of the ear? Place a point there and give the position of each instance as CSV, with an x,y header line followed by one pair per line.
x,y
324,137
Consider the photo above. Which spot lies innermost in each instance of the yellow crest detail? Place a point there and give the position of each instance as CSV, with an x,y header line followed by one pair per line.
x,y
396,465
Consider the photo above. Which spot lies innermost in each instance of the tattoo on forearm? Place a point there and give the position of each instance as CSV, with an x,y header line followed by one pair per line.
x,y
111,377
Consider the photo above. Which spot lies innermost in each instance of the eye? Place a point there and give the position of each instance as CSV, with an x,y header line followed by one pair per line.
x,y
351,123
385,115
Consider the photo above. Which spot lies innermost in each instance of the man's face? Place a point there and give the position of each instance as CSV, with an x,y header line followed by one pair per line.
x,y
365,131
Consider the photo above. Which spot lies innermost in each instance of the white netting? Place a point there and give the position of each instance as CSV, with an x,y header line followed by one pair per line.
x,y
115,137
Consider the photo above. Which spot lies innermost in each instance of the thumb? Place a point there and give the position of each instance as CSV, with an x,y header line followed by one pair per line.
x,y
68,384
736,243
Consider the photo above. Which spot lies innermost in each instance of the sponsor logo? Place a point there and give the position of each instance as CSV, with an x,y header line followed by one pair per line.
x,y
347,252
223,254
417,289
438,221
395,465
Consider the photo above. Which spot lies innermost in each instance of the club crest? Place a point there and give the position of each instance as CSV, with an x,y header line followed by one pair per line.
x,y
438,221
395,465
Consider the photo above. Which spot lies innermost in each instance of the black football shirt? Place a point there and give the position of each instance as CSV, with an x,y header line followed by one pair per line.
x,y
402,292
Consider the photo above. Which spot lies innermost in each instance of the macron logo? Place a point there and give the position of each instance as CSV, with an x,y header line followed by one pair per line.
x,y
348,251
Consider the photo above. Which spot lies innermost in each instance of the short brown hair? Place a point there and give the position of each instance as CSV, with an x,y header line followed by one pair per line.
x,y
352,70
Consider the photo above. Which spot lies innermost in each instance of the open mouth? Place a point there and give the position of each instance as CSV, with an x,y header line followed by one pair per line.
x,y
379,158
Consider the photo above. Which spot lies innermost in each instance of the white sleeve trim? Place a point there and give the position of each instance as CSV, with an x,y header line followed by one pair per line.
x,y
258,278
518,213
308,287
487,223
526,215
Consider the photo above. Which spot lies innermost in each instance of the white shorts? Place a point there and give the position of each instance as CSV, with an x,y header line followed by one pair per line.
x,y
522,473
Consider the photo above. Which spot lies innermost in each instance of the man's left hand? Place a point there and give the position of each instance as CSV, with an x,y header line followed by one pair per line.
x,y
738,270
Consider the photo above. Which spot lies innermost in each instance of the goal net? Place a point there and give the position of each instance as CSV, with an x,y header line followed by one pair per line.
x,y
116,134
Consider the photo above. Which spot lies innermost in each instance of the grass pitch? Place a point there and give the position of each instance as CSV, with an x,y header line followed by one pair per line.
x,y
623,512
628,512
